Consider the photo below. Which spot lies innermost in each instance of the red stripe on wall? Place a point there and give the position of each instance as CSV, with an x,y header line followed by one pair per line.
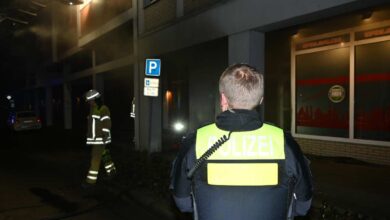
x,y
322,81
345,79
372,77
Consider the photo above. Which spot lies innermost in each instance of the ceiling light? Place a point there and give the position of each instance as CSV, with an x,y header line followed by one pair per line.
x,y
27,12
73,2
38,4
16,20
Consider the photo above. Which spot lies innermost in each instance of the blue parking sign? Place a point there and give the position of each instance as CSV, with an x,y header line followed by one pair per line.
x,y
153,67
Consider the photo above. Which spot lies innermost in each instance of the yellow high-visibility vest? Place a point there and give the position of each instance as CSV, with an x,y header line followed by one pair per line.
x,y
248,158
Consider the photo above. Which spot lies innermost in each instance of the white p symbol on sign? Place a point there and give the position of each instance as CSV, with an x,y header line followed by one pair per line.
x,y
153,67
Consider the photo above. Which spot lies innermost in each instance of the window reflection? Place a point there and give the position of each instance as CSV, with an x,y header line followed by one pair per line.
x,y
372,91
322,88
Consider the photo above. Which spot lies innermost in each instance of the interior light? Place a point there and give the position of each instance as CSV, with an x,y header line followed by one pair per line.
x,y
168,96
9,97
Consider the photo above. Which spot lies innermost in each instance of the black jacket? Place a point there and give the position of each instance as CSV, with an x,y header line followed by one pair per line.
x,y
239,202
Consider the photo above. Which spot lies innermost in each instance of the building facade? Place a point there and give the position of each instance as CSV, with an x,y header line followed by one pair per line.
x,y
326,67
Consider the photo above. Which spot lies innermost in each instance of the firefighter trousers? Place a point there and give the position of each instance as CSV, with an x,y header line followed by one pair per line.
x,y
99,153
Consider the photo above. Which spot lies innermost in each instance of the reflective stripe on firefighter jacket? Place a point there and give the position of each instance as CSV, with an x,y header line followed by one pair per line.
x,y
99,126
248,158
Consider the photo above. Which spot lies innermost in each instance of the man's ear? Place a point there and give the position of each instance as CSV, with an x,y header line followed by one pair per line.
x,y
224,102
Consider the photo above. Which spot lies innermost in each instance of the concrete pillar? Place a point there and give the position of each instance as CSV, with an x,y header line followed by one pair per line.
x,y
49,106
140,16
148,109
54,51
179,8
78,19
137,95
97,79
98,83
67,106
248,47
137,24
280,119
155,124
143,116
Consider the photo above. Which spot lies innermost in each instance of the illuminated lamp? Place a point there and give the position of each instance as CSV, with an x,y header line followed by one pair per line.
x,y
9,97
178,126
39,4
73,2
16,20
168,96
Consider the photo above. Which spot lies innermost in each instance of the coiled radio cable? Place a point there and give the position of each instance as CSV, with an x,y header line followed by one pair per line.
x,y
207,154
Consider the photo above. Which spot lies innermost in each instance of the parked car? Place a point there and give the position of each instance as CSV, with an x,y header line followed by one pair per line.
x,y
24,120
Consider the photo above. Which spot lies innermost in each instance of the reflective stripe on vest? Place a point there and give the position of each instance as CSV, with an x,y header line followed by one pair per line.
x,y
247,159
97,118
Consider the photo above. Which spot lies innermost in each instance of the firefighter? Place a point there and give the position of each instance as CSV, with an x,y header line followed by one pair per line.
x,y
240,167
98,136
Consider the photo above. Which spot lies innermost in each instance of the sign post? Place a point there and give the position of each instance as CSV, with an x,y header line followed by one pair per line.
x,y
152,69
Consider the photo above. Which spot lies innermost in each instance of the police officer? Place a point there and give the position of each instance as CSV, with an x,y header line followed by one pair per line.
x,y
240,167
98,136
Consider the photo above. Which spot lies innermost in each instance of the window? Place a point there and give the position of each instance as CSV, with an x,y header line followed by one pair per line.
x,y
327,103
372,91
322,88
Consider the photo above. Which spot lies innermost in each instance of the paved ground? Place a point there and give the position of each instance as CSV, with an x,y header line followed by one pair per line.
x,y
353,185
41,174
344,188
349,188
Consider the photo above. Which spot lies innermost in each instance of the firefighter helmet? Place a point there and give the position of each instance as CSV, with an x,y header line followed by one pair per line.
x,y
92,95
